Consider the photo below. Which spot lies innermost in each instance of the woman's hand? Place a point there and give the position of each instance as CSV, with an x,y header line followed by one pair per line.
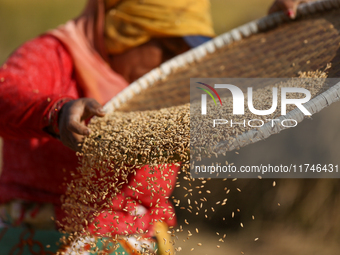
x,y
72,118
288,6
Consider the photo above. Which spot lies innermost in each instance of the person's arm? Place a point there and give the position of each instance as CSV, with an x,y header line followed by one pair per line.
x,y
288,6
36,82
32,81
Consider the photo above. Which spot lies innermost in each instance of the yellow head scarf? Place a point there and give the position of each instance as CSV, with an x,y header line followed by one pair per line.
x,y
129,23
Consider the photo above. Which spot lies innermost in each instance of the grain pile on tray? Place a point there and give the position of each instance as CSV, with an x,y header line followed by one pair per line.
x,y
140,138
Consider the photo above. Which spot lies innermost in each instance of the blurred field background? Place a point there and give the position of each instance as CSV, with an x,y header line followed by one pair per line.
x,y
22,20
308,218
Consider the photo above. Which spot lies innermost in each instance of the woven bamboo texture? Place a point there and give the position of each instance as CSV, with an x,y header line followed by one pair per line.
x,y
271,47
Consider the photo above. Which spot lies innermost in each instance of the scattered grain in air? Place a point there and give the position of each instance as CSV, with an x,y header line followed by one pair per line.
x,y
235,179
236,152
199,244
305,41
208,191
192,249
132,139
278,204
253,217
274,183
256,239
226,163
232,215
260,177
241,224
218,246
48,246
197,230
239,190
308,62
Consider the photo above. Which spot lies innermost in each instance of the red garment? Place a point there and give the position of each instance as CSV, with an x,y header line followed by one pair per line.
x,y
35,165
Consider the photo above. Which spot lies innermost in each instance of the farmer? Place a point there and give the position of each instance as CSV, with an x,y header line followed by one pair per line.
x,y
53,83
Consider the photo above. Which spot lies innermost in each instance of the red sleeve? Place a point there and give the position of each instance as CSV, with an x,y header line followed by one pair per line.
x,y
33,79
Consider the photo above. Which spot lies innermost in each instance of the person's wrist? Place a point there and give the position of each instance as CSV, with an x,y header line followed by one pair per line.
x,y
54,117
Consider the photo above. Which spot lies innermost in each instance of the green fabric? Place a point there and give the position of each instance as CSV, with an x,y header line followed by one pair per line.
x,y
20,240
23,241
119,249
